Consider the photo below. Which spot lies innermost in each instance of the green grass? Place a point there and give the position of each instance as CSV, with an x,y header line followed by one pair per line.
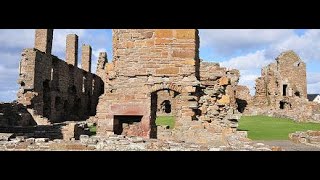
x,y
269,128
165,120
93,129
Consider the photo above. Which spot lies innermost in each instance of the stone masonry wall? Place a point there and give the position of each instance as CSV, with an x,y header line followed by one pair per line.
x,y
145,62
166,105
218,103
243,98
54,90
14,114
149,62
282,90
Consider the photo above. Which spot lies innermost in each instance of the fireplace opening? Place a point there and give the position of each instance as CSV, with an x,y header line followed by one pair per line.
x,y
126,125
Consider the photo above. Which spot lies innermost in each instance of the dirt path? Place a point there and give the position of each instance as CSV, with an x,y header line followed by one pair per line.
x,y
288,145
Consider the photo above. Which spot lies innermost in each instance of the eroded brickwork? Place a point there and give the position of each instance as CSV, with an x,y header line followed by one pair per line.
x,y
72,49
217,102
243,98
149,63
54,90
282,90
145,62
43,40
153,72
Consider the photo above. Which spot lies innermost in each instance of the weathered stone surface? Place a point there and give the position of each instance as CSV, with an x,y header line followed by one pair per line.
x,y
169,70
5,136
311,138
121,143
41,140
84,138
225,99
53,90
153,71
224,81
281,91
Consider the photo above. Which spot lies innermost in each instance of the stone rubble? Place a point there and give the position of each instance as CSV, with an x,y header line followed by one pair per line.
x,y
311,138
120,143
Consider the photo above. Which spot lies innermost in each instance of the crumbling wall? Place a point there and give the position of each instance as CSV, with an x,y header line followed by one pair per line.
x,y
167,104
145,62
149,62
14,114
54,90
217,101
282,90
243,98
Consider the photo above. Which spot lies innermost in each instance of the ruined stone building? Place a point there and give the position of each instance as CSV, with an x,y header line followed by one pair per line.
x,y
153,72
54,90
282,90
153,68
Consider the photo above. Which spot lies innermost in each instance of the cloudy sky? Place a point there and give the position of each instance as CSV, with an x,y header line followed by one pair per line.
x,y
245,49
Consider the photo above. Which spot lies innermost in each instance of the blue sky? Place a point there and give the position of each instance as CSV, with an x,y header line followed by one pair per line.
x,y
245,49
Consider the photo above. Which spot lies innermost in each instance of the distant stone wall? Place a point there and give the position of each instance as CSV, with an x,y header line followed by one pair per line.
x,y
243,98
281,91
54,90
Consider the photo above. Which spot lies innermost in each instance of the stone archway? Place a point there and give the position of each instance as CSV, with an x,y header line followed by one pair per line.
x,y
157,99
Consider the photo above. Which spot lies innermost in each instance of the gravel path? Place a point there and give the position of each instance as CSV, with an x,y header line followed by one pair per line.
x,y
288,145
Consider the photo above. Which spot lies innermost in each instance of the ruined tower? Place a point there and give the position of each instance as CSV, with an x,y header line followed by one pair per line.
x,y
281,81
86,57
145,62
72,49
281,90
161,67
43,40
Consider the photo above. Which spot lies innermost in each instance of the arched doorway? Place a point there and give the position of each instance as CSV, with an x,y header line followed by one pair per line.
x,y
165,109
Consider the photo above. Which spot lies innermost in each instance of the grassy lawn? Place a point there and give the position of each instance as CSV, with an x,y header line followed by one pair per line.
x,y
165,120
269,128
93,130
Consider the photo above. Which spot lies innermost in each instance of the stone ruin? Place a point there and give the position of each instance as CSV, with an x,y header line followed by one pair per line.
x,y
54,90
281,91
153,72
54,95
151,67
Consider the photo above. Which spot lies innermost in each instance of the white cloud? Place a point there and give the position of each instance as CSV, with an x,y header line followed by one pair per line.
x,y
314,88
249,66
8,83
16,38
9,59
8,95
229,41
13,41
250,50
249,61
59,40
313,77
307,45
